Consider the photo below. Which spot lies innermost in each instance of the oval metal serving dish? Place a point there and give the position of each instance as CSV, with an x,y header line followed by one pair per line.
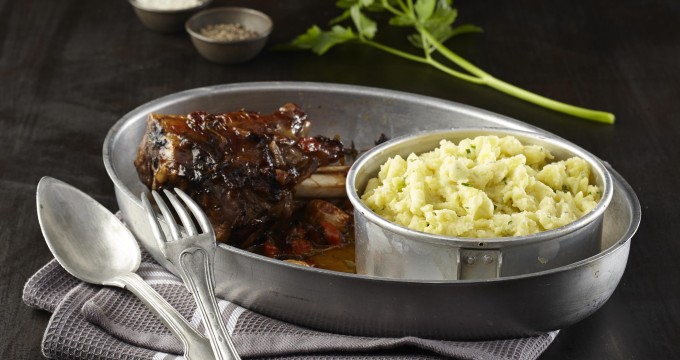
x,y
373,306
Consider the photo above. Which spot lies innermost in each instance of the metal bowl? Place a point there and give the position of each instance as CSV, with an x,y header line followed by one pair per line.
x,y
165,20
387,249
230,51
367,305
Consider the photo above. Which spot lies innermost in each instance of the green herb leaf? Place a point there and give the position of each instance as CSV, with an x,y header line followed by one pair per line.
x,y
438,23
424,9
443,33
370,5
444,14
344,16
402,20
345,4
321,41
363,23
464,29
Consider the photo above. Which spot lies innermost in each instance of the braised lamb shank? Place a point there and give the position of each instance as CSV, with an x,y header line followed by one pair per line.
x,y
241,167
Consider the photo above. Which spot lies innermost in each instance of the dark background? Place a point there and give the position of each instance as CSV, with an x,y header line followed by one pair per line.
x,y
69,69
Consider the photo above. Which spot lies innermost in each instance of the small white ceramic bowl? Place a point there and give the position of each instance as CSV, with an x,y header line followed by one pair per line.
x,y
165,20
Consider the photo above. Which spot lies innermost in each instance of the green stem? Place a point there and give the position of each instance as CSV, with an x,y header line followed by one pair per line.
x,y
391,9
410,6
394,51
487,79
423,60
426,48
458,74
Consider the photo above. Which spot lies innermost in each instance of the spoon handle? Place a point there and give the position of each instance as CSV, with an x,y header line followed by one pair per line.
x,y
199,278
195,345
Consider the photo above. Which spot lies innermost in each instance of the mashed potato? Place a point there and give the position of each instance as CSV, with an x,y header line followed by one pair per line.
x,y
484,187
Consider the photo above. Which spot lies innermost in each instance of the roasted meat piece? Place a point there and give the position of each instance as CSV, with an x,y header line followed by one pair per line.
x,y
241,167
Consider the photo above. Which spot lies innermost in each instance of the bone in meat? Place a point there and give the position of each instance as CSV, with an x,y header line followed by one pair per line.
x,y
241,167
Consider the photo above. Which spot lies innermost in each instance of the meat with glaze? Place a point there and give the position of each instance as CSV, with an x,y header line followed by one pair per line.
x,y
241,167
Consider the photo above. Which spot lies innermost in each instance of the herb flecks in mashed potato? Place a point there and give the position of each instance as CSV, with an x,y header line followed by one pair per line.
x,y
484,187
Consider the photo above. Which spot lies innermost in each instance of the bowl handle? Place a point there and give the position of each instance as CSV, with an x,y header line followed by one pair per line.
x,y
479,264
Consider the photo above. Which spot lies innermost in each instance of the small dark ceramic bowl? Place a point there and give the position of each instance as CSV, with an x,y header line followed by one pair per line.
x,y
230,51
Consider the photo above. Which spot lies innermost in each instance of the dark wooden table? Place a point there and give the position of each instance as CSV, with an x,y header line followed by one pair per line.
x,y
69,69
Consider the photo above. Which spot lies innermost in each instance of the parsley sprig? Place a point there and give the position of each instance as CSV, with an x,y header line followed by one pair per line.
x,y
433,22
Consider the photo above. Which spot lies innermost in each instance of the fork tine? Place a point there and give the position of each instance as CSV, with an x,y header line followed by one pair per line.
x,y
153,221
196,210
167,215
183,214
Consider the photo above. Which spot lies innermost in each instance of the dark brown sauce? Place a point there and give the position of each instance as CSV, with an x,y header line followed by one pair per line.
x,y
336,259
319,253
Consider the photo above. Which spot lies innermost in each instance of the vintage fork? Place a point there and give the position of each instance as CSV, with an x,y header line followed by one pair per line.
x,y
193,256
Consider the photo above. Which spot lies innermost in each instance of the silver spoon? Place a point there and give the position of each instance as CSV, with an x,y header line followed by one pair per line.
x,y
93,245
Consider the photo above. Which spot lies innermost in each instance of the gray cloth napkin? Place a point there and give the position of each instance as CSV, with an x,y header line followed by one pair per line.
x,y
92,322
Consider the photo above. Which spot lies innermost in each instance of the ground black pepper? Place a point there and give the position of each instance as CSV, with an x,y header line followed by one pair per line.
x,y
228,32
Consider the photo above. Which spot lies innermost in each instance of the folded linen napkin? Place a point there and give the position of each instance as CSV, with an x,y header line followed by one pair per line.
x,y
93,322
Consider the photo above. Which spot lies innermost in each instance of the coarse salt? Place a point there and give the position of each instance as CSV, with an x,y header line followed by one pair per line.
x,y
169,4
